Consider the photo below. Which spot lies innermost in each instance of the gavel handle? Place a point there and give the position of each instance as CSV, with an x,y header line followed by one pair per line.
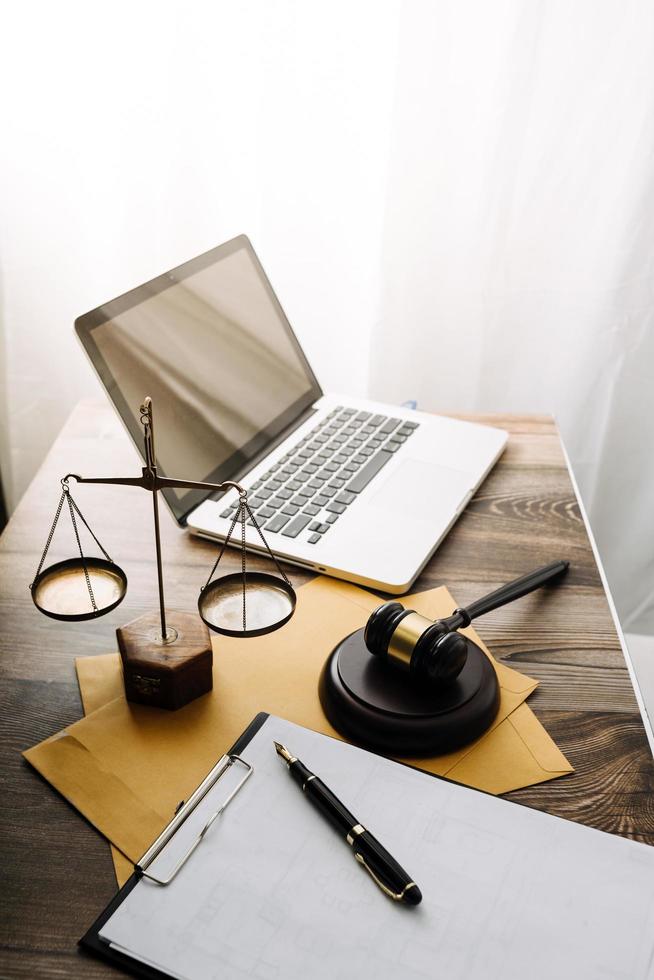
x,y
507,593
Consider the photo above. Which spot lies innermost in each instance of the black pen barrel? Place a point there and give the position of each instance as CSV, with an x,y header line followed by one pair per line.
x,y
383,865
386,868
387,873
325,801
322,797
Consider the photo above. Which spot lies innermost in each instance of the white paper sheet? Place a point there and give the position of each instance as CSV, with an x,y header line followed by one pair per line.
x,y
273,892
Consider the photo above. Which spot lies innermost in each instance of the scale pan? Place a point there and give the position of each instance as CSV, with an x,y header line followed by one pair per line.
x,y
269,603
61,590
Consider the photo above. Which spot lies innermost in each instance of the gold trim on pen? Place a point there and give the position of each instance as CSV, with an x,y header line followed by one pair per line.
x,y
396,896
356,830
284,753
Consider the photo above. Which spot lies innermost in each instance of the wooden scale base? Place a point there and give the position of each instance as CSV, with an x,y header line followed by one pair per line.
x,y
378,706
166,674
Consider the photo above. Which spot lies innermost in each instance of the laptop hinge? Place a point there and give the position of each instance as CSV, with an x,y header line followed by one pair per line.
x,y
244,470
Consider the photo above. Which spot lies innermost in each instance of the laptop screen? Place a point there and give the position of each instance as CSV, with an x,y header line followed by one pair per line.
x,y
210,344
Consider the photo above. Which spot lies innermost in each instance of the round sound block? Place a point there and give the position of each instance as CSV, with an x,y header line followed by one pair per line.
x,y
378,706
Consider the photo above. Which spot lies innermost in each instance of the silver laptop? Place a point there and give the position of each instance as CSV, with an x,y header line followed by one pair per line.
x,y
353,488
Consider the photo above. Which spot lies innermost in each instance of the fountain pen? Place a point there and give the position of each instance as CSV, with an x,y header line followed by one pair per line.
x,y
384,869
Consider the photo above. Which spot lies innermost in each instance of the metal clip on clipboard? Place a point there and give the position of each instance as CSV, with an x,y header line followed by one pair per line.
x,y
185,810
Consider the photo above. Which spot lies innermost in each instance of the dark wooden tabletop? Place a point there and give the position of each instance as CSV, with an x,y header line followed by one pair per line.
x,y
56,869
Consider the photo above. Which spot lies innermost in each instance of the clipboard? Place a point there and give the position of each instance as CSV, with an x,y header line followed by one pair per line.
x,y
541,896
91,941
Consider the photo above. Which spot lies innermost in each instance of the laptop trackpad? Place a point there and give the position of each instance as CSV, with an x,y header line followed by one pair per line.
x,y
430,489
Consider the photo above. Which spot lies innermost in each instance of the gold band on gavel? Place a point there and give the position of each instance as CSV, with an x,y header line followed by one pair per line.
x,y
405,636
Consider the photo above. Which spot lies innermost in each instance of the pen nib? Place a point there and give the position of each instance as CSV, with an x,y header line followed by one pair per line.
x,y
283,751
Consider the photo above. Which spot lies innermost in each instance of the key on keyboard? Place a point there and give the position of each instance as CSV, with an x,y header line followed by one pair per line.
x,y
371,469
297,524
277,523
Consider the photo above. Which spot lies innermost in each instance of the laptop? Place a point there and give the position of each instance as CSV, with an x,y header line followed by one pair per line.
x,y
352,488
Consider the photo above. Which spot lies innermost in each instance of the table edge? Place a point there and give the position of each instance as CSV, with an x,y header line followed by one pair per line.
x,y
644,716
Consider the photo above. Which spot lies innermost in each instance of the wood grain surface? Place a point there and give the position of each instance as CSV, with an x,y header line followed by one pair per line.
x,y
57,872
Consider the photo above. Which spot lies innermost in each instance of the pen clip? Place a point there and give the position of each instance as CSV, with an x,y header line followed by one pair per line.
x,y
396,896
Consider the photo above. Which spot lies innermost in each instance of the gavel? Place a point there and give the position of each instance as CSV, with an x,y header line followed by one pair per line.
x,y
433,651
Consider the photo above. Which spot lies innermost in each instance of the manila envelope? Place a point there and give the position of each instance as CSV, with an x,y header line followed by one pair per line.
x,y
518,752
126,767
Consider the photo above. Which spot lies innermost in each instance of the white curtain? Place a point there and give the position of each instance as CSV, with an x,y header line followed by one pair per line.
x,y
518,245
454,201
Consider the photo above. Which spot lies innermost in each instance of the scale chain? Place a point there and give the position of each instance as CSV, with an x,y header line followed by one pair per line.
x,y
73,509
235,518
81,553
267,546
240,514
50,535
223,546
242,509
83,519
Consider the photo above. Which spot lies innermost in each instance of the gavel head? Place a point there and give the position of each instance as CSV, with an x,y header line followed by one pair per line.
x,y
430,650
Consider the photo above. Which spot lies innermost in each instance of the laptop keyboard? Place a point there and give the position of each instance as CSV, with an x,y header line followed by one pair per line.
x,y
325,473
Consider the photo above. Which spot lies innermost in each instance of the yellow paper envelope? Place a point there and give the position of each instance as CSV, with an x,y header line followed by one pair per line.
x,y
123,867
517,753
100,681
126,767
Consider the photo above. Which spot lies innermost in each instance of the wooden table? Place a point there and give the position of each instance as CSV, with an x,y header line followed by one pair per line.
x,y
56,869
